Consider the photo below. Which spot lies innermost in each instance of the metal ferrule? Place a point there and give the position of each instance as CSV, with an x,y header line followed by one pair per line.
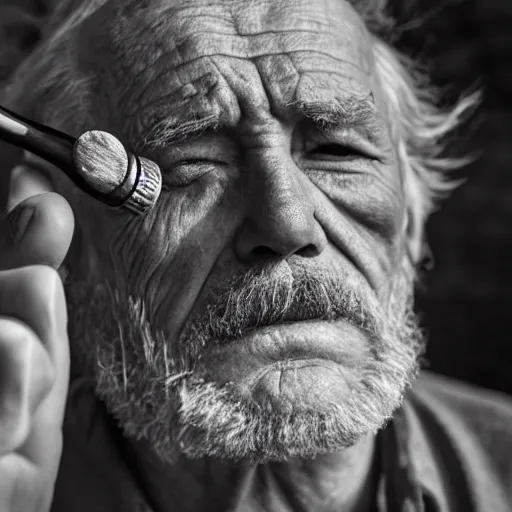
x,y
147,185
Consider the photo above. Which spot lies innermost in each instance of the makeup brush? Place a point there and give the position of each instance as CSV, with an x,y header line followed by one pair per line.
x,y
96,162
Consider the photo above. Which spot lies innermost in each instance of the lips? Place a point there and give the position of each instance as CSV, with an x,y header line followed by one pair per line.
x,y
338,342
300,312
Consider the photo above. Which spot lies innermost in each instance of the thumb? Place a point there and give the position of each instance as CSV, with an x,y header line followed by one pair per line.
x,y
38,230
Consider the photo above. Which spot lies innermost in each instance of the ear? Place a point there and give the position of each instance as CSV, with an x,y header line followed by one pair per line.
x,y
414,236
413,240
414,222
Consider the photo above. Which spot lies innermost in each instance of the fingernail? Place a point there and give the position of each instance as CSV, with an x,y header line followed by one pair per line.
x,y
19,220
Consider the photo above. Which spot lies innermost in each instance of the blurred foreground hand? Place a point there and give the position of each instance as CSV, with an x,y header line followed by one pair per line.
x,y
34,354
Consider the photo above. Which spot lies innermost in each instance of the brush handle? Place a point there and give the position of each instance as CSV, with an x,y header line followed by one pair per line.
x,y
54,146
51,145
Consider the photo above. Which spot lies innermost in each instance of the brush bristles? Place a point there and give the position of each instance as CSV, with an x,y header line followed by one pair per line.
x,y
101,159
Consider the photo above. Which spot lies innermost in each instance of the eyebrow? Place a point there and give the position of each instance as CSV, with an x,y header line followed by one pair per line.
x,y
325,115
330,115
174,129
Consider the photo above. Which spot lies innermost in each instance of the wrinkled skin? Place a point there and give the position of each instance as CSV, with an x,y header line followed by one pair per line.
x,y
266,186
270,185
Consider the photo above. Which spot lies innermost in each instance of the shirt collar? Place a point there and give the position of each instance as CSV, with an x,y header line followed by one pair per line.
x,y
411,480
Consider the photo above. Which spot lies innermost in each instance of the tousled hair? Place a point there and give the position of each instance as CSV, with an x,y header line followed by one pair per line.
x,y
46,80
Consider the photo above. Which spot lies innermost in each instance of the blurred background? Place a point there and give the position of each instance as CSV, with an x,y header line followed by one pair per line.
x,y
466,299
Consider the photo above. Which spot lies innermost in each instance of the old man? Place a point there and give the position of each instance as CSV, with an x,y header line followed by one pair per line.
x,y
250,345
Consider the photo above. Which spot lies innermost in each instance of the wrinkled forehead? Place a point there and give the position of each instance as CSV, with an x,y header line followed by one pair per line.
x,y
149,54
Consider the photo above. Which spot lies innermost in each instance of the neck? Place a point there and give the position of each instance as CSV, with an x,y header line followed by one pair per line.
x,y
344,481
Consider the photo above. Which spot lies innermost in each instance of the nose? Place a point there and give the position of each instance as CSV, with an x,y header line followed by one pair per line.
x,y
281,217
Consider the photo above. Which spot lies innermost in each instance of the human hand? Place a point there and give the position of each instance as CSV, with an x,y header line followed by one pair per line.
x,y
34,353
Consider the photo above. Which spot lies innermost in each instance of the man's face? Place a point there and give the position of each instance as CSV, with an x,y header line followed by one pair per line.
x,y
261,309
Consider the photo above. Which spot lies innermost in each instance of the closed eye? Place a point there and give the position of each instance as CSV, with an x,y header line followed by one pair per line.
x,y
335,151
185,172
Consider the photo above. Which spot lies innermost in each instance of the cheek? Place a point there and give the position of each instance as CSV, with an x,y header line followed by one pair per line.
x,y
371,206
166,256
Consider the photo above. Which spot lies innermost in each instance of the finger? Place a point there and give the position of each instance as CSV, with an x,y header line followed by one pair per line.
x,y
38,231
26,181
26,377
35,296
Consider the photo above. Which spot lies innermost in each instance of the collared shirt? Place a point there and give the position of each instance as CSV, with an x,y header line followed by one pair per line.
x,y
447,449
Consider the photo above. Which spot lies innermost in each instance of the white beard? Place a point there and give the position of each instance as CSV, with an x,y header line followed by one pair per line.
x,y
150,387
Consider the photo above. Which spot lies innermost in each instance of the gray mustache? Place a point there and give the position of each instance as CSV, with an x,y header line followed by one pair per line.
x,y
259,298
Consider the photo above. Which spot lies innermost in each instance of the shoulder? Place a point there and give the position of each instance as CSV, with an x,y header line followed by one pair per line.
x,y
480,410
471,426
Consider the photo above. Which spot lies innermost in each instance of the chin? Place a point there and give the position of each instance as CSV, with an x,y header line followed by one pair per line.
x,y
311,414
290,367
300,385
295,390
